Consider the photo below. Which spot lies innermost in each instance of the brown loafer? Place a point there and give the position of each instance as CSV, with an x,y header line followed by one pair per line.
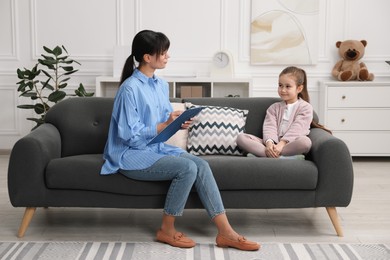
x,y
178,240
242,243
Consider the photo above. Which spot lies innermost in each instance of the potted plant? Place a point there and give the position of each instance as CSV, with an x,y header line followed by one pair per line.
x,y
57,67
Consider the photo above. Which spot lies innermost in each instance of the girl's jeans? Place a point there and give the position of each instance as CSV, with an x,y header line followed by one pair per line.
x,y
184,171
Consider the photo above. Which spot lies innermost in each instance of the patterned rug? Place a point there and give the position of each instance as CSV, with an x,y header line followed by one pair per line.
x,y
154,250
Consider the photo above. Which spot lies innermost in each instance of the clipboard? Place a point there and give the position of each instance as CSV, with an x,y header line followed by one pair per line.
x,y
173,127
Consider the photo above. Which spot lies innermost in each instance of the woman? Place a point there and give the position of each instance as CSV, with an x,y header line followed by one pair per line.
x,y
142,110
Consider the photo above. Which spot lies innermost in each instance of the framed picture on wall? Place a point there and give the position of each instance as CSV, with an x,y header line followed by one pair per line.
x,y
284,32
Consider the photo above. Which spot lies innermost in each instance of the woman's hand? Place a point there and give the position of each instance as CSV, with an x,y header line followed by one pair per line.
x,y
175,114
171,118
186,124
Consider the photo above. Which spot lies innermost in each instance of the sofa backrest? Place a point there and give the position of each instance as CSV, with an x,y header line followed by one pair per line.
x,y
83,124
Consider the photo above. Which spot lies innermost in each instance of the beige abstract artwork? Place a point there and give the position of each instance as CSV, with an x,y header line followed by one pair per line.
x,y
284,32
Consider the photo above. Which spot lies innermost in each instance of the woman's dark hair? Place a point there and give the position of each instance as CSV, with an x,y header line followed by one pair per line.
x,y
144,42
301,79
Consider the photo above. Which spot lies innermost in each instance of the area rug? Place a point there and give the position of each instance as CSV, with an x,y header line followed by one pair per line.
x,y
131,251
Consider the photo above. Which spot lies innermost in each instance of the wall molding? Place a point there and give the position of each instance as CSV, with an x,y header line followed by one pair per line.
x,y
244,12
14,54
222,25
346,19
188,58
36,51
137,15
15,130
119,22
323,55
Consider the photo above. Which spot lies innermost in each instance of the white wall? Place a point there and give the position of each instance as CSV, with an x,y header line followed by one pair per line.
x,y
197,29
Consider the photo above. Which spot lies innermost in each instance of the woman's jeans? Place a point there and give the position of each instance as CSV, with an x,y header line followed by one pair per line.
x,y
184,171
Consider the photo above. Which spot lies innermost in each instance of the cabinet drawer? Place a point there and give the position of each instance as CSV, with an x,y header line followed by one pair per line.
x,y
369,96
366,143
359,119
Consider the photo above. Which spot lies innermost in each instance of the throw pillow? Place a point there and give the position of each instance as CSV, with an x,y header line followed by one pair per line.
x,y
215,129
179,139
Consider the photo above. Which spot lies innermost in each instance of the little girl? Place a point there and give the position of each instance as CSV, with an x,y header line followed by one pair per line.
x,y
287,123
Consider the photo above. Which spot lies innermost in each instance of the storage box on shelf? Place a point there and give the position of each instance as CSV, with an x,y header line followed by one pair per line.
x,y
191,87
358,113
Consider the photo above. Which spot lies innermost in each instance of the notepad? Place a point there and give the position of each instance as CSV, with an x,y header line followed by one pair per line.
x,y
173,127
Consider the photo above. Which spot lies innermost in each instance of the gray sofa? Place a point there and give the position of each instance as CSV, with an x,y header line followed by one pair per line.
x,y
58,164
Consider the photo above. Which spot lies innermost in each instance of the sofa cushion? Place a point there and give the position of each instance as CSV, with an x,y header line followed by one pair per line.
x,y
81,172
255,173
214,130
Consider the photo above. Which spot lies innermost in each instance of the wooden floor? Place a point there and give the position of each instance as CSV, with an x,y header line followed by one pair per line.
x,y
365,220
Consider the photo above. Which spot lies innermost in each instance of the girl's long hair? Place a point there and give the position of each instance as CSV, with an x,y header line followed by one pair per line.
x,y
144,42
301,79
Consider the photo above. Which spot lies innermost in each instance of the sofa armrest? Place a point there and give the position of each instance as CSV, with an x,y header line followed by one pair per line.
x,y
335,169
28,160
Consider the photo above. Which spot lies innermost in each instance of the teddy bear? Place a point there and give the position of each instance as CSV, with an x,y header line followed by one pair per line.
x,y
350,67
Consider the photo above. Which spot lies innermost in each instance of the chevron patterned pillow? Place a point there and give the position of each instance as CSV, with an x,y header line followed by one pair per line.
x,y
215,129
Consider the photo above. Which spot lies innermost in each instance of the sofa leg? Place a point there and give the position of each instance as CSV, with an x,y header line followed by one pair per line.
x,y
28,214
332,212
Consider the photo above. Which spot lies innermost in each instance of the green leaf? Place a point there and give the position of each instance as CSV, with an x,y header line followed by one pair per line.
x,y
63,47
39,121
47,85
31,74
20,74
47,74
69,62
36,120
35,70
39,109
57,51
81,92
63,85
22,86
48,50
29,94
62,59
56,96
25,106
66,79
30,85
48,63
47,57
67,68
70,72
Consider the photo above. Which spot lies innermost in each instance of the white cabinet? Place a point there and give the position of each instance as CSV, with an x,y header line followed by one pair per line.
x,y
358,113
186,87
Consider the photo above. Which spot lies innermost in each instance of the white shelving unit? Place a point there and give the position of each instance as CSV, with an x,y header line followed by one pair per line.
x,y
107,86
358,113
